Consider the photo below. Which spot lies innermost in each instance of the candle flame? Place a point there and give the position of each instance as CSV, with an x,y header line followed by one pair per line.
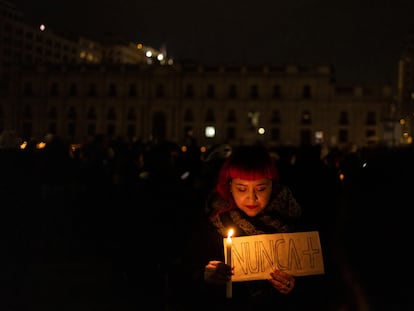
x,y
229,235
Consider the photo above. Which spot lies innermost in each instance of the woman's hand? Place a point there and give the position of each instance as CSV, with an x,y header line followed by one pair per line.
x,y
282,281
217,272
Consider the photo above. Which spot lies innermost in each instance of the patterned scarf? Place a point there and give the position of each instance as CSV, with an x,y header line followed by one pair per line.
x,y
280,215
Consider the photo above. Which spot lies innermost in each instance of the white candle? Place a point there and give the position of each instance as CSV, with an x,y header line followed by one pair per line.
x,y
229,242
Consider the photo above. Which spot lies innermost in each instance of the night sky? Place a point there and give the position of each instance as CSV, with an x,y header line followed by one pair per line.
x,y
362,39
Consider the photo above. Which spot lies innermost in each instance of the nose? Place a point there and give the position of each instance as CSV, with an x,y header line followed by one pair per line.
x,y
253,195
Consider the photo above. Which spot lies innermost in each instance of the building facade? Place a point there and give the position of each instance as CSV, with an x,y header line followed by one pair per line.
x,y
405,88
77,88
286,105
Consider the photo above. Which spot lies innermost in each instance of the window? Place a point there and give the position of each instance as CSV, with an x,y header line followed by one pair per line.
x,y
52,114
275,119
111,114
232,91
73,90
189,91
54,89
231,116
319,137
72,113
306,118
28,89
159,126
370,134
276,92
343,118
188,115
211,92
71,129
27,112
305,137
91,114
275,134
210,115
343,136
112,90
253,118
160,91
91,129
254,91
131,115
92,90
131,131
132,90
306,92
110,130
371,118
231,133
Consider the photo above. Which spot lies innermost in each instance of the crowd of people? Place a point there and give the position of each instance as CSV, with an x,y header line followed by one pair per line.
x,y
158,213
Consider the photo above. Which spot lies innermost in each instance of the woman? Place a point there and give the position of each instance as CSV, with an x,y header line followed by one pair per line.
x,y
248,198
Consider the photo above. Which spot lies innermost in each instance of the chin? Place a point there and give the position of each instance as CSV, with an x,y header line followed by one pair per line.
x,y
252,213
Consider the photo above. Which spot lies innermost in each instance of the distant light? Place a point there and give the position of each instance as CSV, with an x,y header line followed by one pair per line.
x,y
144,175
210,131
160,57
185,175
74,147
261,131
23,145
148,54
41,145
42,27
139,46
319,137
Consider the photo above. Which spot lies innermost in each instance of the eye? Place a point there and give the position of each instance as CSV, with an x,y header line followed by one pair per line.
x,y
261,189
241,189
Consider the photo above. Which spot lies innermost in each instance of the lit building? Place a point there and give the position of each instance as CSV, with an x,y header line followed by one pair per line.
x,y
28,44
25,44
405,88
288,105
87,88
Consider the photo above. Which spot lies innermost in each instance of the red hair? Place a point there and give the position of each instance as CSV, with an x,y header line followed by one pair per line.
x,y
248,163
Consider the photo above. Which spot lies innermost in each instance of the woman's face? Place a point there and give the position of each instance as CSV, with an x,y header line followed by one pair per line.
x,y
251,196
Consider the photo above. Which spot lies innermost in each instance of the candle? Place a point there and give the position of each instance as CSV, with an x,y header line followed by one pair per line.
x,y
229,242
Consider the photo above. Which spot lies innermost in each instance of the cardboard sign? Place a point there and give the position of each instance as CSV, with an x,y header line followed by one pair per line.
x,y
254,257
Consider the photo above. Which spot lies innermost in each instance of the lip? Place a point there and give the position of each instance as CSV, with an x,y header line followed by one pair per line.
x,y
251,206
